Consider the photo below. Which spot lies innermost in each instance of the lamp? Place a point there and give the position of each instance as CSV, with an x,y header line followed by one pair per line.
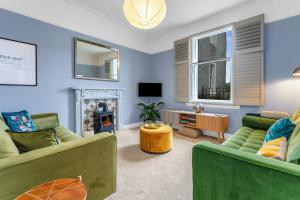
x,y
296,72
144,14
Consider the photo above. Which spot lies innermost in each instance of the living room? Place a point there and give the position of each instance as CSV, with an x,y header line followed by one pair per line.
x,y
149,99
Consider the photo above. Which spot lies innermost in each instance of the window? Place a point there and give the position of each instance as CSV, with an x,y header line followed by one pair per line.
x,y
211,66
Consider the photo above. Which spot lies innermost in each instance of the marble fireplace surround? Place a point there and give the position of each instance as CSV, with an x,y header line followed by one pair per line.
x,y
82,94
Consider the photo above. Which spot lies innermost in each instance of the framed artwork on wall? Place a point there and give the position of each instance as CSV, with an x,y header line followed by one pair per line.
x,y
18,63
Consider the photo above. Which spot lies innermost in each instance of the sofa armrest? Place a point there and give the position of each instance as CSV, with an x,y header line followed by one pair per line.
x,y
94,158
223,173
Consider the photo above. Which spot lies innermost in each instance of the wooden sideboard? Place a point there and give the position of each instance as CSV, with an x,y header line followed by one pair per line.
x,y
205,121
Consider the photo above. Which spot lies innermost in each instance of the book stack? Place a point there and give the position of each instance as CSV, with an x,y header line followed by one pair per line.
x,y
187,120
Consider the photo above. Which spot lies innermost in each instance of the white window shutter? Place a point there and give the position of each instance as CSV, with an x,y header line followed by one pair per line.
x,y
181,51
182,72
249,61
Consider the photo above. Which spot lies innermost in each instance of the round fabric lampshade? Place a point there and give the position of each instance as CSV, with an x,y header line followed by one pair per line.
x,y
144,14
296,72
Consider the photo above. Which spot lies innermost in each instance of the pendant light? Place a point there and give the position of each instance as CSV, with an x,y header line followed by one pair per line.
x,y
296,72
144,14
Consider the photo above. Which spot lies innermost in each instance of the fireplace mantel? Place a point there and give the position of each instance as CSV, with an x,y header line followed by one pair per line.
x,y
94,93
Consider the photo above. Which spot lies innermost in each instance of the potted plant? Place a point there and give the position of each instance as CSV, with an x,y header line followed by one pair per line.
x,y
150,113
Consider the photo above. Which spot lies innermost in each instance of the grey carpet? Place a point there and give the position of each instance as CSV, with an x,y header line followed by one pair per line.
x,y
143,176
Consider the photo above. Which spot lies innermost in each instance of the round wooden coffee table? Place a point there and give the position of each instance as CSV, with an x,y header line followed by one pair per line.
x,y
159,140
61,189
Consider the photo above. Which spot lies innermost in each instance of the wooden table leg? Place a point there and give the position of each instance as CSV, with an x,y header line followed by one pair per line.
x,y
223,136
219,136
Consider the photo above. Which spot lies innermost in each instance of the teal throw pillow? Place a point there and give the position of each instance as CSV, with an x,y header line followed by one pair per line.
x,y
282,127
19,121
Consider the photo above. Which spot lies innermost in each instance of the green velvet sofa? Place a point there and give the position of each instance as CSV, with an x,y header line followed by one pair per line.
x,y
93,158
233,171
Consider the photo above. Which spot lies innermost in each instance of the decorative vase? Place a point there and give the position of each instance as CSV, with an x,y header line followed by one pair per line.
x,y
198,107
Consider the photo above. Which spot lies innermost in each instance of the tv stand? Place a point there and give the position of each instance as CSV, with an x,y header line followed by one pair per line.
x,y
204,121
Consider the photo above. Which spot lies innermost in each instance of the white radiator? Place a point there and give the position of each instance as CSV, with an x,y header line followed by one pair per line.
x,y
171,117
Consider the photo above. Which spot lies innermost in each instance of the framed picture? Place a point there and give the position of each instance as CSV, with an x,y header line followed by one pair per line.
x,y
18,63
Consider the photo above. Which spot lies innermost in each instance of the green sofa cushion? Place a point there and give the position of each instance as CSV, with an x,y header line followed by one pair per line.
x,y
34,140
7,147
293,153
246,139
65,135
257,122
3,126
45,121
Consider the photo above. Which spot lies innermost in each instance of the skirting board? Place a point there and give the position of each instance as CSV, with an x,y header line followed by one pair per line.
x,y
131,126
139,124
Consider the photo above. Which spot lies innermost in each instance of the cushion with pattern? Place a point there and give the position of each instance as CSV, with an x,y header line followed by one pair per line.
x,y
19,121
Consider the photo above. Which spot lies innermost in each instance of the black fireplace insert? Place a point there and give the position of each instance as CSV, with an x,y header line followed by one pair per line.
x,y
103,119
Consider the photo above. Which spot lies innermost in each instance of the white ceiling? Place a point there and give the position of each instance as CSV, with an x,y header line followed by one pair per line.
x,y
104,19
179,12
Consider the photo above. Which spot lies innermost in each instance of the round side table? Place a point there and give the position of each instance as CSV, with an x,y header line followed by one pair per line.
x,y
159,140
61,189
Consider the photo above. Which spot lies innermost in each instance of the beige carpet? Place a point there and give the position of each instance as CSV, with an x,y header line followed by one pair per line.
x,y
143,176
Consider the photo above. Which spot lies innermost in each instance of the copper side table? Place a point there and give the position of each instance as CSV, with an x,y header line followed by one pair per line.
x,y
61,189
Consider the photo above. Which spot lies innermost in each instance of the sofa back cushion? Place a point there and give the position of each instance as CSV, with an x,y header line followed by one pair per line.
x,y
258,123
7,147
46,121
293,153
50,121
66,135
34,140
3,126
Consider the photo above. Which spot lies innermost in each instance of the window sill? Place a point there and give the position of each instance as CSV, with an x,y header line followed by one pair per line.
x,y
215,105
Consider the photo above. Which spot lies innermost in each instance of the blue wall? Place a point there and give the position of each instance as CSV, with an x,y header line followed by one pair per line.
x,y
282,55
55,71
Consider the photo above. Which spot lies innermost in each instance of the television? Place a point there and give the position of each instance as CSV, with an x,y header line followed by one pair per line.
x,y
150,89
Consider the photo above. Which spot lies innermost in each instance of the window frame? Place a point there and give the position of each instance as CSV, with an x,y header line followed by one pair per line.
x,y
194,69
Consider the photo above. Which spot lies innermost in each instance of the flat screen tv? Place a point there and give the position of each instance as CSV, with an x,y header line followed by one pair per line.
x,y
150,89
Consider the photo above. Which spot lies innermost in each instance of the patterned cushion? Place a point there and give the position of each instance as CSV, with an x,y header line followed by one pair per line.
x,y
296,116
282,127
19,121
275,149
246,139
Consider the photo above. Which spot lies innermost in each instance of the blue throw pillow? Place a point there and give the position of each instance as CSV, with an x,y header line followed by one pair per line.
x,y
19,121
282,127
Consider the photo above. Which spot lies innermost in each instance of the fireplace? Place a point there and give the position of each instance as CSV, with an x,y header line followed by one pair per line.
x,y
87,110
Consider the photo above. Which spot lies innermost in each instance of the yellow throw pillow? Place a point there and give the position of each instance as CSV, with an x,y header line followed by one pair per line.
x,y
296,116
276,148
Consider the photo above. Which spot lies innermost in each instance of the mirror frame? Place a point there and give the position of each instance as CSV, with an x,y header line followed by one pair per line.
x,y
100,45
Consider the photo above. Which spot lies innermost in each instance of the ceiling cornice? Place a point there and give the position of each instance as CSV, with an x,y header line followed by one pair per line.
x,y
84,20
93,11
